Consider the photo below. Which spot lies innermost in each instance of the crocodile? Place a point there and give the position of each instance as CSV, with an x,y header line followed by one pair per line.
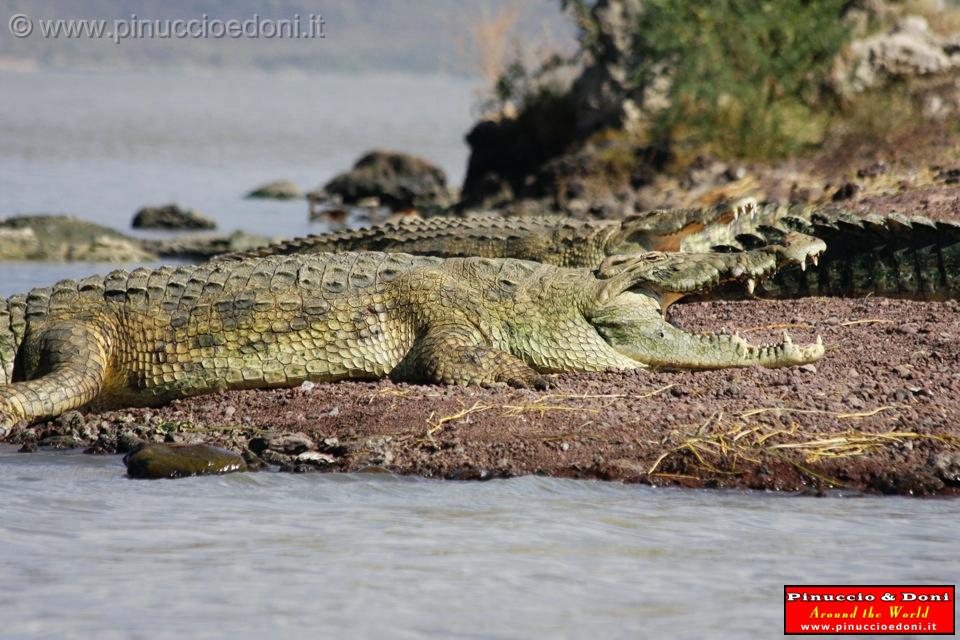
x,y
892,256
146,337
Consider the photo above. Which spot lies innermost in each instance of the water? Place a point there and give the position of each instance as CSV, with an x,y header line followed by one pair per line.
x,y
102,145
87,553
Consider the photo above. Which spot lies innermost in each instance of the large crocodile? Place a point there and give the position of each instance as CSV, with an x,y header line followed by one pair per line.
x,y
149,336
893,256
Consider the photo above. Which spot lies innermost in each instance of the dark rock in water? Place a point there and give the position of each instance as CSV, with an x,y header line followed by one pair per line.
x,y
398,180
171,216
180,461
277,190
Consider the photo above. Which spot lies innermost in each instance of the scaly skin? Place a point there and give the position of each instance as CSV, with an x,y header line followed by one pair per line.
x,y
147,337
557,240
895,256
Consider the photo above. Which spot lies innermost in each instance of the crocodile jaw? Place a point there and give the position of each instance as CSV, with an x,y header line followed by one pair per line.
x,y
633,325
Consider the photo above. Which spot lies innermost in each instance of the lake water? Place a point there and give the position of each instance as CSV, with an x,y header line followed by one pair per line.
x,y
102,145
86,553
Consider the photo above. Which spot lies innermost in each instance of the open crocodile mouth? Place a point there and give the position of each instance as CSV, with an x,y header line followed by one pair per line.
x,y
643,287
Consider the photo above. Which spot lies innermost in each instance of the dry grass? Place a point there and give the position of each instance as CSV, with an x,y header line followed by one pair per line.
x,y
721,447
551,402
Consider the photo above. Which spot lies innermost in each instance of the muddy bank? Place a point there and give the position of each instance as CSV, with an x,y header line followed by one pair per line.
x,y
880,413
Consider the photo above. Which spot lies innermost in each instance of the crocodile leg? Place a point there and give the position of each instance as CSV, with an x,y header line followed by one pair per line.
x,y
457,354
68,373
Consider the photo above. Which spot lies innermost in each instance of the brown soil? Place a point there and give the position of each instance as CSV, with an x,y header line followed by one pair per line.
x,y
880,413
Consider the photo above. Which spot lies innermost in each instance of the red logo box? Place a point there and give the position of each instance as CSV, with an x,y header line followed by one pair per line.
x,y
896,609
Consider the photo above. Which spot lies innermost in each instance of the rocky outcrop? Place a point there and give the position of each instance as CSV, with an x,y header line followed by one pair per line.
x,y
508,154
397,180
171,217
909,50
277,190
64,238
607,93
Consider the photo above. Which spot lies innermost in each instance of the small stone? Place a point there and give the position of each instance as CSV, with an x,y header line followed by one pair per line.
x,y
832,321
229,410
855,402
316,458
904,371
334,412
307,385
947,466
282,442
809,368
564,446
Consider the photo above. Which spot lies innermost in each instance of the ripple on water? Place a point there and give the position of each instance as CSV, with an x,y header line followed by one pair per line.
x,y
364,554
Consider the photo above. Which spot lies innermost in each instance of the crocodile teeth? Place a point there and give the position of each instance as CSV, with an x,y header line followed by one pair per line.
x,y
819,340
786,339
815,259
803,265
751,285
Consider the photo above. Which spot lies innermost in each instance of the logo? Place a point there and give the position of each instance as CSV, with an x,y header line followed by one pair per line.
x,y
869,610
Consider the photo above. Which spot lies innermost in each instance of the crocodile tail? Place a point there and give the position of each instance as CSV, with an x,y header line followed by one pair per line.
x,y
893,257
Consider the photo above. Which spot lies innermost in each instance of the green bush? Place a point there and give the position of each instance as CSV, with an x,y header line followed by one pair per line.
x,y
746,75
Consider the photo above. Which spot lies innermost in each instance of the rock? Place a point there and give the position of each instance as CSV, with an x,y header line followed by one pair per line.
x,y
607,93
282,442
846,191
316,458
179,461
277,190
58,237
398,180
107,249
201,247
171,216
59,442
947,466
908,50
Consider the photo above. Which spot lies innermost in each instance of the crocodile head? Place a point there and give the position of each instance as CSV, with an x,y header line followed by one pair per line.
x,y
634,292
665,229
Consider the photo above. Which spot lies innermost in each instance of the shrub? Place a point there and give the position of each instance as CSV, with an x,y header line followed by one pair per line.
x,y
746,75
